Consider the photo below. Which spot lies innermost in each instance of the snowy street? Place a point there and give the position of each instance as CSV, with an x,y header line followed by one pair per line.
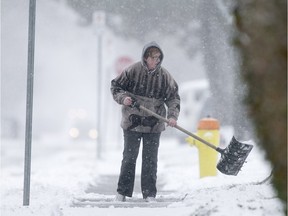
x,y
58,61
67,179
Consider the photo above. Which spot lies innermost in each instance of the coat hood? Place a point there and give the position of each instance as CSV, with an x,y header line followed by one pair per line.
x,y
148,45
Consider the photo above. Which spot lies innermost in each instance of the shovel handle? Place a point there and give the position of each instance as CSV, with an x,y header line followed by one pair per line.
x,y
180,128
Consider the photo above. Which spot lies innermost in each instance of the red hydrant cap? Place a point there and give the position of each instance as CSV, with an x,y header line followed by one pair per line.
x,y
208,124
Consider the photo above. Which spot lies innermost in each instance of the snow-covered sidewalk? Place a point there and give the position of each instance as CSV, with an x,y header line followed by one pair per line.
x,y
63,173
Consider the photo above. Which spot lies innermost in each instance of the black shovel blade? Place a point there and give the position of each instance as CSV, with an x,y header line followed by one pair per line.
x,y
233,157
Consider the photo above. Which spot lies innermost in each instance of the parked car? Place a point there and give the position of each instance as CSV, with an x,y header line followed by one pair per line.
x,y
193,95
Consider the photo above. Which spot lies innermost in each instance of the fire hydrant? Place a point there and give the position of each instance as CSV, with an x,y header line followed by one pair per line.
x,y
208,129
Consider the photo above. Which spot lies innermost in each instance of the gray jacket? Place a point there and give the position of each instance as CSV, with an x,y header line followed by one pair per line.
x,y
152,89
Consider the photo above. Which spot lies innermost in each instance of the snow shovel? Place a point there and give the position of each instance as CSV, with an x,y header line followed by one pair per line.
x,y
232,157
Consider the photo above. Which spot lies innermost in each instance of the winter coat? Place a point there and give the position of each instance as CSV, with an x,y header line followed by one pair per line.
x,y
151,89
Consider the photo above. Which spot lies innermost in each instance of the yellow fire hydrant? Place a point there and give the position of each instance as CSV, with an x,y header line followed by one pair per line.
x,y
208,129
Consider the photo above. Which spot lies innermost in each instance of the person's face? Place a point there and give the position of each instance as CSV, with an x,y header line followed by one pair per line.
x,y
153,60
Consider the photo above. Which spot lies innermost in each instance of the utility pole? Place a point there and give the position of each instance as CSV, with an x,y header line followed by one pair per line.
x,y
99,22
29,102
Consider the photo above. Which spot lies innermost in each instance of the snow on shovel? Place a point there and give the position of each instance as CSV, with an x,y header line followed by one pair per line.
x,y
232,157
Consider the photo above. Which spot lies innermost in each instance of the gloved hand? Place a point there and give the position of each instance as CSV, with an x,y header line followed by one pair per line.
x,y
172,122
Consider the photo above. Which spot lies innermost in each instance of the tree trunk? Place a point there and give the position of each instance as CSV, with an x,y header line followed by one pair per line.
x,y
262,40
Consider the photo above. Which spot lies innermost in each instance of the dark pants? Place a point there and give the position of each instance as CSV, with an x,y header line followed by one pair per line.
x,y
149,163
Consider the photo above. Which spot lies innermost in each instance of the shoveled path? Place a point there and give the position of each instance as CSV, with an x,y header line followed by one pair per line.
x,y
102,194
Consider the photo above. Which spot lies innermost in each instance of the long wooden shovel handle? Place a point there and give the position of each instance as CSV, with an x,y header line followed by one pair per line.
x,y
181,129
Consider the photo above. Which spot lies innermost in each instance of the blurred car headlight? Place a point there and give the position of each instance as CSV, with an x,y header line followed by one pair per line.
x,y
74,132
93,134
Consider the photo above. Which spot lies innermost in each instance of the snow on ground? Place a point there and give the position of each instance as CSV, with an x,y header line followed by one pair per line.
x,y
62,171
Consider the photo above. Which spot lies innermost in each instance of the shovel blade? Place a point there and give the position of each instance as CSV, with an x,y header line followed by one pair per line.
x,y
233,157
